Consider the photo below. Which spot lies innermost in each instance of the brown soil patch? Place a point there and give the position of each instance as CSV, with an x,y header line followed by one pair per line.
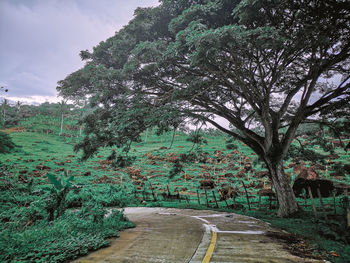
x,y
14,129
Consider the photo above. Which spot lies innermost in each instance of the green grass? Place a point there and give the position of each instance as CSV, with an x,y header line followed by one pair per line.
x,y
66,238
25,187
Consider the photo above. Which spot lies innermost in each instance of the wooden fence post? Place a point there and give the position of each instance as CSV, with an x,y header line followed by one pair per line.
x,y
346,208
206,197
321,201
154,196
199,202
346,201
143,193
216,202
312,201
226,203
246,193
270,201
167,187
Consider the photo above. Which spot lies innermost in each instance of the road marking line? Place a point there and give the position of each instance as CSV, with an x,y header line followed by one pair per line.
x,y
211,248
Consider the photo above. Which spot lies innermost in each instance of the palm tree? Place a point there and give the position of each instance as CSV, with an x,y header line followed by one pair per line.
x,y
18,107
62,104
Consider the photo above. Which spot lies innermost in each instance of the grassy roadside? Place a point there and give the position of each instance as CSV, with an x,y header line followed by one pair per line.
x,y
27,236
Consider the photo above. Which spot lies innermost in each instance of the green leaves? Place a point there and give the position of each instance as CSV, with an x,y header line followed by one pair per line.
x,y
245,61
6,143
60,182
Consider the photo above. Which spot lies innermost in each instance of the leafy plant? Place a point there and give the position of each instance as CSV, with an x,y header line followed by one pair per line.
x,y
6,143
123,161
176,169
230,144
197,139
56,201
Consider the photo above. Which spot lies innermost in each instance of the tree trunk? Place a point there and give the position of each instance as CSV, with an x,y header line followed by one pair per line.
x,y
61,125
285,195
172,139
4,115
146,135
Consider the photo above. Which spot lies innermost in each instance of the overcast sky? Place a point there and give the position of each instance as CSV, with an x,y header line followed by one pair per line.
x,y
40,40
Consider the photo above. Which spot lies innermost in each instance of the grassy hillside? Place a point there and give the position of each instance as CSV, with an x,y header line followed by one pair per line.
x,y
157,176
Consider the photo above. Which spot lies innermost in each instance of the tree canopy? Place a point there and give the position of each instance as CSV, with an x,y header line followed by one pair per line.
x,y
263,64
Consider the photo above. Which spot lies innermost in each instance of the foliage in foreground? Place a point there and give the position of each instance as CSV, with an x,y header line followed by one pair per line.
x,y
22,203
68,237
29,234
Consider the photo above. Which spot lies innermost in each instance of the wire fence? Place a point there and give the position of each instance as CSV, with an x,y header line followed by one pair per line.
x,y
321,207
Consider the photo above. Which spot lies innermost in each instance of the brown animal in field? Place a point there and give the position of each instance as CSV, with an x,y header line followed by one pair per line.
x,y
326,187
227,192
309,178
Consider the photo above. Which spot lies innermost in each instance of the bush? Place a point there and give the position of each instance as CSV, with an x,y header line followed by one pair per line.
x,y
71,235
26,235
107,196
6,144
230,144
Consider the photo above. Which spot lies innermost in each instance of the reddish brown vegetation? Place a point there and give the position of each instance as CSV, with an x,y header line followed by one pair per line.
x,y
206,184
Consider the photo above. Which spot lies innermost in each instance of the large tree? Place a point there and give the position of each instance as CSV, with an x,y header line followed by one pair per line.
x,y
260,64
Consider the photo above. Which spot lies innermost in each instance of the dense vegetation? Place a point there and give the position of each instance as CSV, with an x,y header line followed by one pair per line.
x,y
35,223
37,174
265,67
277,72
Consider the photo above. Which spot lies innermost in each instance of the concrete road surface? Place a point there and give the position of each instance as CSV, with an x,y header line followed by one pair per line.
x,y
170,235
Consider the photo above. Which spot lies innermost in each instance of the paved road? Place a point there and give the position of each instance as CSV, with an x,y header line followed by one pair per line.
x,y
174,235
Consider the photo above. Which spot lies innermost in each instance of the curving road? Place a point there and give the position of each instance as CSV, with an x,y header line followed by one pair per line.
x,y
176,235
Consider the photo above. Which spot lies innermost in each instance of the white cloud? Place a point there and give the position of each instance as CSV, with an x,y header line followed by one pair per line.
x,y
33,99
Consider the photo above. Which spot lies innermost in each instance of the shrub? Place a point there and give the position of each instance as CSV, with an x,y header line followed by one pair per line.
x,y
71,235
6,144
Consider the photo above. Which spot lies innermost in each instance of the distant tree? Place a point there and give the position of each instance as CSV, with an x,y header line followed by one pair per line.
x,y
4,107
63,107
82,109
18,107
170,121
261,65
28,111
